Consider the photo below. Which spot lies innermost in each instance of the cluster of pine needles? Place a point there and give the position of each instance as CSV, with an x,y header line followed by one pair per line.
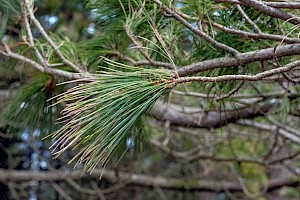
x,y
101,110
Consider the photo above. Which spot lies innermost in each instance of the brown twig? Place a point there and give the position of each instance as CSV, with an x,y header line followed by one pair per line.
x,y
255,27
256,36
256,77
271,11
197,31
287,5
8,53
49,40
245,58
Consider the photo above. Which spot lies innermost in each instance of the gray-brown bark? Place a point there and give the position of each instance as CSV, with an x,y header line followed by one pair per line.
x,y
184,184
194,117
244,58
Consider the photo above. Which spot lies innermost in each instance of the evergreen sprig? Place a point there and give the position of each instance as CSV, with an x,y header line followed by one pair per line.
x,y
100,112
29,109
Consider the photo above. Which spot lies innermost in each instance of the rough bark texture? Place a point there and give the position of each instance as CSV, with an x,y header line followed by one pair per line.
x,y
244,58
194,117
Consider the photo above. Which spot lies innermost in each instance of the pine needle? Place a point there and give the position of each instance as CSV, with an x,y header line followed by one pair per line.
x,y
100,112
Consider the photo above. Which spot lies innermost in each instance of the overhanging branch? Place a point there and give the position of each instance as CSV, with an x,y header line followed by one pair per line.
x,y
193,117
245,58
271,11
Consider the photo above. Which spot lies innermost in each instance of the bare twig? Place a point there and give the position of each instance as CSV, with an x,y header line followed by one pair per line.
x,y
273,12
257,36
282,126
285,158
197,31
49,40
272,129
244,187
61,191
255,27
138,45
245,58
8,53
13,191
239,96
31,42
191,156
231,92
99,191
143,62
164,45
288,4
256,77
86,190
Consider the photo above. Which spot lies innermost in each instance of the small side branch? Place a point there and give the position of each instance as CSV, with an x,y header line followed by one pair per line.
x,y
69,75
31,41
272,12
49,40
138,45
256,77
255,27
197,31
245,58
256,36
286,5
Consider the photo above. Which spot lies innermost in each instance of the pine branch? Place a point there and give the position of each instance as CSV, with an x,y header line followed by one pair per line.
x,y
100,112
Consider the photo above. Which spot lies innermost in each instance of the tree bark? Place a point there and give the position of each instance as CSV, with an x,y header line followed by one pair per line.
x,y
194,117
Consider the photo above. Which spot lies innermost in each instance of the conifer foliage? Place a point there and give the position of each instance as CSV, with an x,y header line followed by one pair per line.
x,y
102,109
